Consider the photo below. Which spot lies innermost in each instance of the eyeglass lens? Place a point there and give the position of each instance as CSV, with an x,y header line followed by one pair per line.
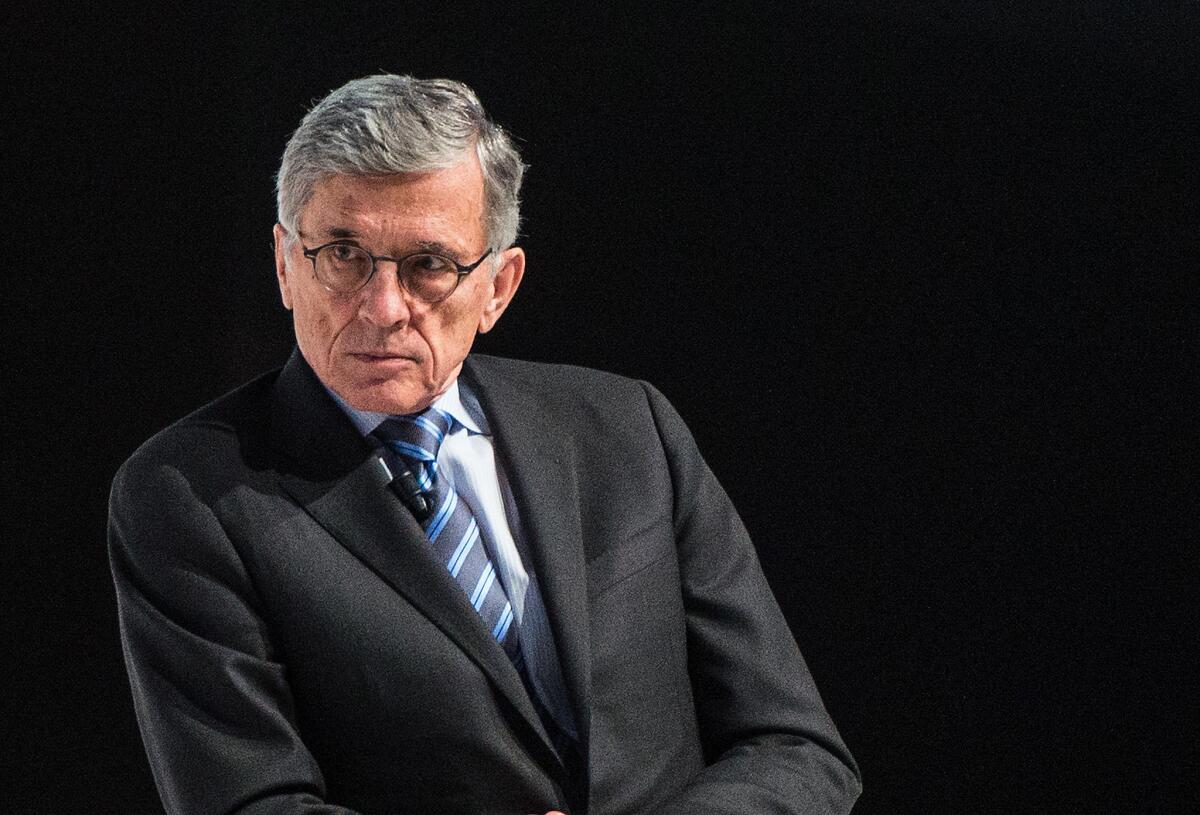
x,y
345,268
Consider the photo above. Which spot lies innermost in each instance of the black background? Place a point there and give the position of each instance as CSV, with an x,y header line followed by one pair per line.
x,y
921,278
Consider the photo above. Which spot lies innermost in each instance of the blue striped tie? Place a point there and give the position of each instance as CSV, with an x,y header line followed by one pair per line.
x,y
451,527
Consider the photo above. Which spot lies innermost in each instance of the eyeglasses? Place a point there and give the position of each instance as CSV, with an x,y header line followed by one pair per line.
x,y
344,268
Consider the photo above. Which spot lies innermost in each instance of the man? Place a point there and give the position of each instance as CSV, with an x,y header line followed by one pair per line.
x,y
393,577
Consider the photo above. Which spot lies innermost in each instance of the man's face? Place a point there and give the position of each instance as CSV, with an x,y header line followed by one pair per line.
x,y
380,349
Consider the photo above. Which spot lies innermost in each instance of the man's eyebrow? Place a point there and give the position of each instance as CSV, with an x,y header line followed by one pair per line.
x,y
435,248
331,232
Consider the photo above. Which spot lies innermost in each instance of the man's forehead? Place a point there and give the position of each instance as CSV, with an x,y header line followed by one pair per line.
x,y
462,182
446,203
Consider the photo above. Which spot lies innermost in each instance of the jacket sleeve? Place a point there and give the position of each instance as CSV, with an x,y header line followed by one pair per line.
x,y
211,695
769,745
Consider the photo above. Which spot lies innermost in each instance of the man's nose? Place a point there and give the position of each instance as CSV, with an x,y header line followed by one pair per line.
x,y
384,301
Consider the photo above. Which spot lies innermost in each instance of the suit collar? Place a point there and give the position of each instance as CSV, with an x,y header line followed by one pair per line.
x,y
317,439
453,402
334,473
538,458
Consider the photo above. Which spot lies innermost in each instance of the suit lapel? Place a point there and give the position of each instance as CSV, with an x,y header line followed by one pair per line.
x,y
334,474
538,459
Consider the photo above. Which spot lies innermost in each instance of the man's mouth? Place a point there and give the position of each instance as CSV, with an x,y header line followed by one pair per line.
x,y
381,357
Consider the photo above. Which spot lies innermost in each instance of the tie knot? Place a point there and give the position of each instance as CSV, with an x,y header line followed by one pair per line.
x,y
416,437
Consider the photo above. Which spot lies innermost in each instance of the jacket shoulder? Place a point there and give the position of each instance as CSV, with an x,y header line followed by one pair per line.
x,y
228,432
558,381
614,416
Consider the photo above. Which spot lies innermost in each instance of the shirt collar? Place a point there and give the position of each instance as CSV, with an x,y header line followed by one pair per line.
x,y
460,404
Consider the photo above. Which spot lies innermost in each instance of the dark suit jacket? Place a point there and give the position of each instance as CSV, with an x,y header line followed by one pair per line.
x,y
293,647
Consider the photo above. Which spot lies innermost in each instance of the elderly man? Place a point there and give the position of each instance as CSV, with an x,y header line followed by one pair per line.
x,y
395,577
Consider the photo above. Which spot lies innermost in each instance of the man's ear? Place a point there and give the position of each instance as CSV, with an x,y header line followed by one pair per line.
x,y
503,287
281,271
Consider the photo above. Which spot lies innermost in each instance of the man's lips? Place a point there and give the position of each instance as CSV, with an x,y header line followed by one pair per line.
x,y
382,357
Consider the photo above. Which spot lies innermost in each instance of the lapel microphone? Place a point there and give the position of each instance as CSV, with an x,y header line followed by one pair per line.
x,y
404,484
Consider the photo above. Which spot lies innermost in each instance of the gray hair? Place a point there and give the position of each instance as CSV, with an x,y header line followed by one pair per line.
x,y
386,124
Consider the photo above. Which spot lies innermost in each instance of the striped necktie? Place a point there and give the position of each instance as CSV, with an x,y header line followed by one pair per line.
x,y
451,527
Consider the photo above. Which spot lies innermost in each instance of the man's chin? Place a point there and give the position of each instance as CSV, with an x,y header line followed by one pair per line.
x,y
390,400
395,405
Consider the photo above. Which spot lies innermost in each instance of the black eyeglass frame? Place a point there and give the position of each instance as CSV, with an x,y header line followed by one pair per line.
x,y
461,271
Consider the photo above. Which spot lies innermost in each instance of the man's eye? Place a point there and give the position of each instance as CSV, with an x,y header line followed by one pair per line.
x,y
343,252
431,264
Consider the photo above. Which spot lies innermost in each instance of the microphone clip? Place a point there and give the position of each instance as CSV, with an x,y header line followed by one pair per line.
x,y
405,485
